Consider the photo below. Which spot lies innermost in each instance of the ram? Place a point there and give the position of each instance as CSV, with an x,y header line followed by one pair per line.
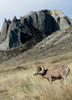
x,y
54,73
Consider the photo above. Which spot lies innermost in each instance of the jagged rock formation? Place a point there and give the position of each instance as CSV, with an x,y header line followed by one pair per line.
x,y
34,27
4,30
14,34
47,20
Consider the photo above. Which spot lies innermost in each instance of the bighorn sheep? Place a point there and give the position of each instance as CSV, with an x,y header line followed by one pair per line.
x,y
53,73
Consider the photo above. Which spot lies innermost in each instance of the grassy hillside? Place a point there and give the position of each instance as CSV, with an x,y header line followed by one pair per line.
x,y
17,81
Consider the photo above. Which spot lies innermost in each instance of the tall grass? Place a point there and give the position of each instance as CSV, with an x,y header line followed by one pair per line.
x,y
22,85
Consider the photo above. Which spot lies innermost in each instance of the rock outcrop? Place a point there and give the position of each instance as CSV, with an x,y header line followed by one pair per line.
x,y
47,20
34,27
18,34
4,30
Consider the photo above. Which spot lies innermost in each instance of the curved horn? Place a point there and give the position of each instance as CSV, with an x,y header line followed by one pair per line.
x,y
41,70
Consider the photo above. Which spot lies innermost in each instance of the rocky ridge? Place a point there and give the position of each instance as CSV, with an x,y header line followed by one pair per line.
x,y
35,26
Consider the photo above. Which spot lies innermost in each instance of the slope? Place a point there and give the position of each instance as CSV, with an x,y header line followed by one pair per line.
x,y
58,43
17,81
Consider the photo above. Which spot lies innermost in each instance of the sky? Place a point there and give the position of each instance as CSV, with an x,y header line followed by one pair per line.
x,y
18,8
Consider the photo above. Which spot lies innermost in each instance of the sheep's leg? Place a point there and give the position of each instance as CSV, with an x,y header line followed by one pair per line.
x,y
64,76
50,79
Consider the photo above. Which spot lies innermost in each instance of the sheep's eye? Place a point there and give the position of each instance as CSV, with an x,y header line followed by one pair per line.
x,y
39,69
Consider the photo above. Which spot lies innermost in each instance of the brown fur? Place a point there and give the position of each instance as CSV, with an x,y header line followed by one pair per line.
x,y
55,73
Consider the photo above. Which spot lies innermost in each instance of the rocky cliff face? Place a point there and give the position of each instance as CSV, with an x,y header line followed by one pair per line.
x,y
15,34
47,20
34,27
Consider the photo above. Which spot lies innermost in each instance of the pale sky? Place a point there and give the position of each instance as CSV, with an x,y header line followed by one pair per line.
x,y
11,8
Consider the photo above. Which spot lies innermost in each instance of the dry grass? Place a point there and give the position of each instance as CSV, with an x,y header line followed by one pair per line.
x,y
20,84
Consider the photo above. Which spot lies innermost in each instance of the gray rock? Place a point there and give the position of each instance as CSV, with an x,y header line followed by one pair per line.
x,y
47,20
4,30
14,38
33,27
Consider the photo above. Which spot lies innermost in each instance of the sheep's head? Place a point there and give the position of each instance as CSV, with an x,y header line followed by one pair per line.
x,y
39,71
